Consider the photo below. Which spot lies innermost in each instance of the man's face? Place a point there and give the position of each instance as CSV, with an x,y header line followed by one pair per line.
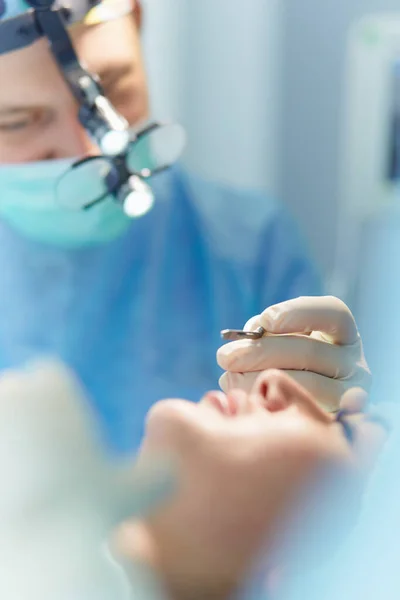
x,y
38,114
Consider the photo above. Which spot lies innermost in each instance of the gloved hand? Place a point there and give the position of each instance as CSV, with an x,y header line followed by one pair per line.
x,y
317,343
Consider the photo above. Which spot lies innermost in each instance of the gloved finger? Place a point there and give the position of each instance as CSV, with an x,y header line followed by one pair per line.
x,y
255,322
354,400
303,315
238,381
252,323
327,392
299,353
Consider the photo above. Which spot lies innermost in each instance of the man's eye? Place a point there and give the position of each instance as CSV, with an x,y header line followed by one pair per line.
x,y
119,91
15,126
18,122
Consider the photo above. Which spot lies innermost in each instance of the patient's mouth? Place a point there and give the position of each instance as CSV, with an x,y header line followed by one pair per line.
x,y
225,404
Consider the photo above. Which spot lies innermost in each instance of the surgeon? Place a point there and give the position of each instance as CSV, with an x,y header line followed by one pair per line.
x,y
133,305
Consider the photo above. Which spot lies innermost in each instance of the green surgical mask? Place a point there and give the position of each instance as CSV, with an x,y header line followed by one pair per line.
x,y
29,204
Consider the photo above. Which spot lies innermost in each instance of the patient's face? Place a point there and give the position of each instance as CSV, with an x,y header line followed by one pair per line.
x,y
245,461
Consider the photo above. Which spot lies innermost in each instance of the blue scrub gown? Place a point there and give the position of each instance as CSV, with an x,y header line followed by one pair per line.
x,y
139,319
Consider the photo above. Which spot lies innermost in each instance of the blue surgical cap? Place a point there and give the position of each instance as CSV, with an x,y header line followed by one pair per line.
x,y
91,11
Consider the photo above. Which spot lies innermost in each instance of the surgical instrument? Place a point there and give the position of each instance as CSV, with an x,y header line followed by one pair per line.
x,y
240,334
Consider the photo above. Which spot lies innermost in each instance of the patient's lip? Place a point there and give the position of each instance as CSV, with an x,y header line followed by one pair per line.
x,y
233,404
225,404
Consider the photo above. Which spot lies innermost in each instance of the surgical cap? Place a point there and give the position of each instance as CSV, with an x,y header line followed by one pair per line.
x,y
90,12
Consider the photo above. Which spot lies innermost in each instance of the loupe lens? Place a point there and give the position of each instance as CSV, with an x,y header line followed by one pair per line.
x,y
156,149
139,199
85,183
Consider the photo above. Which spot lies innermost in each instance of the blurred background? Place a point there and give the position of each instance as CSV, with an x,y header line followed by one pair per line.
x,y
260,87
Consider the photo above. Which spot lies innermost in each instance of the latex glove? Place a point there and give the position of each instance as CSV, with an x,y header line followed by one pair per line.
x,y
318,344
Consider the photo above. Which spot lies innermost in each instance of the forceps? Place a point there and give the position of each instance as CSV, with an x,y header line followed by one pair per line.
x,y
238,334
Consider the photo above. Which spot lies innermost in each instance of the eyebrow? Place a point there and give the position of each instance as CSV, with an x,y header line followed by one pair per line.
x,y
107,76
111,75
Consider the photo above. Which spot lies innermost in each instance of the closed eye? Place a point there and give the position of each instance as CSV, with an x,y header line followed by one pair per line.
x,y
15,126
15,120
348,429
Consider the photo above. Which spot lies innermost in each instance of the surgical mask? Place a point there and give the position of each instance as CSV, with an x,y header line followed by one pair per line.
x,y
28,202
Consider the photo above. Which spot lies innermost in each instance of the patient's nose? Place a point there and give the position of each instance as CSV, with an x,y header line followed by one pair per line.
x,y
277,390
273,388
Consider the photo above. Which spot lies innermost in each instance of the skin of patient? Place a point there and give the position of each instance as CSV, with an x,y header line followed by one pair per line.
x,y
245,462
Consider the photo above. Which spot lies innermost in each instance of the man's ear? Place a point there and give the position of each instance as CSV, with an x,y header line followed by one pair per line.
x,y
138,13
